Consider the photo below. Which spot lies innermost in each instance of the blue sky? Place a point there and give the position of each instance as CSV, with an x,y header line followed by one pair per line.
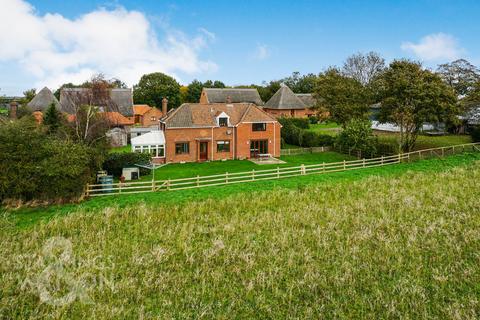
x,y
238,42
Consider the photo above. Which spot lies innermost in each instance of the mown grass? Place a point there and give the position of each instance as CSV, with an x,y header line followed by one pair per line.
x,y
425,141
192,169
387,246
25,218
330,128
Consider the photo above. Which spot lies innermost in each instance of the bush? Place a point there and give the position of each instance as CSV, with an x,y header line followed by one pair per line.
x,y
475,134
357,138
115,162
313,119
302,123
36,166
294,135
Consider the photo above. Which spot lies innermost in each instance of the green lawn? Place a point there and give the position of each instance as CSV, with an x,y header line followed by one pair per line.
x,y
26,217
192,169
426,142
127,148
398,242
330,128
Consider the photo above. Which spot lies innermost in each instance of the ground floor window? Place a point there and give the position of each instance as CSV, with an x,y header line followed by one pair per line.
x,y
223,146
155,150
182,148
258,147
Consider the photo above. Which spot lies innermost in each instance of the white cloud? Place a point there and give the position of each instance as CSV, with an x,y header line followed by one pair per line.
x,y
118,42
261,52
434,47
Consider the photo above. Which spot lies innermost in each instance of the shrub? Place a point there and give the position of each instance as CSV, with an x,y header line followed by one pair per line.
x,y
313,119
314,139
475,134
302,123
357,137
115,162
36,166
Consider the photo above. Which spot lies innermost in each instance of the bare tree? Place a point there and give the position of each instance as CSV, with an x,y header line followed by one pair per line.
x,y
461,75
364,67
88,120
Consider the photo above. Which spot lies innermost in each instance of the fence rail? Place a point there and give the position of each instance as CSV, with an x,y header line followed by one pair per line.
x,y
95,190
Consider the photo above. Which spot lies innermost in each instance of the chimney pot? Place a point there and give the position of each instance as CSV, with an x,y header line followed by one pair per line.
x,y
13,109
164,106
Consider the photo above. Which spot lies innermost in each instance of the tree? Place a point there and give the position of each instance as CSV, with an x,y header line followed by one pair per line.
x,y
28,96
411,96
364,67
194,91
299,83
153,87
460,74
343,97
52,118
357,137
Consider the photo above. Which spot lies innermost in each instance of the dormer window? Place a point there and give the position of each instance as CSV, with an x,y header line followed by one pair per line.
x,y
223,122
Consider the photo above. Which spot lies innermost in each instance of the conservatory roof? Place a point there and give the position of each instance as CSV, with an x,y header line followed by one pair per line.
x,y
149,139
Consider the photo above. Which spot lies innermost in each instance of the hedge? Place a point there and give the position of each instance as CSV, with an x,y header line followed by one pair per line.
x,y
116,161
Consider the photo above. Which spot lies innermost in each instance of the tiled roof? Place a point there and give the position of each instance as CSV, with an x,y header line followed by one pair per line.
x,y
192,115
116,118
284,98
141,109
216,95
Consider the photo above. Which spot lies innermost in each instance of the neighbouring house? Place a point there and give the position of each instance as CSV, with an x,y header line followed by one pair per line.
x,y
117,108
469,120
230,95
216,131
391,127
42,100
147,116
119,100
285,103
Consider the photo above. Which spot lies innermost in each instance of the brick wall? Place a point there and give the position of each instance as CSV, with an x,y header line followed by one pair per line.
x,y
147,119
239,141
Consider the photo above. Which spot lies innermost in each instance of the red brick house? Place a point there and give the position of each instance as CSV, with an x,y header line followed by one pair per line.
x,y
146,116
216,131
285,103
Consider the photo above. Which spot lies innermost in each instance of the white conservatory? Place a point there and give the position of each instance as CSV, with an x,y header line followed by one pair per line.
x,y
152,142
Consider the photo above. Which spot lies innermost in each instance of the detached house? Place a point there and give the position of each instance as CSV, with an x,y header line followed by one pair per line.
x,y
216,131
285,103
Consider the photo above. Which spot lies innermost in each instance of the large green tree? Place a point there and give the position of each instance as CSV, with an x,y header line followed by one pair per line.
x,y
412,96
299,83
343,97
153,87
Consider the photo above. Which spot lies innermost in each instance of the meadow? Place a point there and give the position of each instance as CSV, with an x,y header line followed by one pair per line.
x,y
392,242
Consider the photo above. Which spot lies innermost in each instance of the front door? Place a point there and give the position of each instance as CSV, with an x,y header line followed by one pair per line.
x,y
258,147
203,154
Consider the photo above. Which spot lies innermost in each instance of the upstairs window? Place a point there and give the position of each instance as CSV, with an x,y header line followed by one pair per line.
x,y
223,122
152,118
259,126
182,148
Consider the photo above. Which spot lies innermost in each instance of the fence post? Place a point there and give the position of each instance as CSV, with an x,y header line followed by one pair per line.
x,y
302,169
226,177
87,190
168,184
344,165
399,157
382,160
253,174
153,186
323,167
198,180
443,152
278,172
363,162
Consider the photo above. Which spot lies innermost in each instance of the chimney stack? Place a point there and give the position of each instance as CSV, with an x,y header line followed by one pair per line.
x,y
164,106
229,99
13,109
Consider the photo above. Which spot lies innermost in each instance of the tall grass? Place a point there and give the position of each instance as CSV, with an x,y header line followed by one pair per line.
x,y
381,247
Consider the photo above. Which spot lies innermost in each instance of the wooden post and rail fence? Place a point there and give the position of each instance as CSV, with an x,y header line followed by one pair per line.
x,y
95,190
